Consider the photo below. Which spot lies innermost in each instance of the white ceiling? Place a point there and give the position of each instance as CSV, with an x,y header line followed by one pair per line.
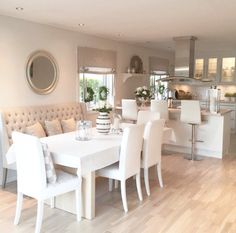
x,y
150,23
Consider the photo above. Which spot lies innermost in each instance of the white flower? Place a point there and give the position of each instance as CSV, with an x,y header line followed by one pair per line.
x,y
144,88
139,89
144,93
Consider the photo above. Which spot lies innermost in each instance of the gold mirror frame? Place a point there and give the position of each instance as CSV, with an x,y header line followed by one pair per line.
x,y
52,86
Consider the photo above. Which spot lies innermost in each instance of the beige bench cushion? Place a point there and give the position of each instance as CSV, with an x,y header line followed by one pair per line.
x,y
53,127
68,125
36,130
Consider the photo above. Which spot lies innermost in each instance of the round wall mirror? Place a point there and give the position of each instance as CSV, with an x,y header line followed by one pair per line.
x,y
42,72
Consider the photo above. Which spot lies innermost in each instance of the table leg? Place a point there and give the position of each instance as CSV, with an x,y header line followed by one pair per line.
x,y
88,195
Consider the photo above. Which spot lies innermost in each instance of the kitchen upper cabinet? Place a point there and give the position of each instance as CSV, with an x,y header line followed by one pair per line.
x,y
228,70
199,68
212,69
206,69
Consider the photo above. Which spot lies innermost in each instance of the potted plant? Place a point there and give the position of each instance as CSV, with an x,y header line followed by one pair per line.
x,y
103,93
233,98
89,96
228,96
143,95
103,122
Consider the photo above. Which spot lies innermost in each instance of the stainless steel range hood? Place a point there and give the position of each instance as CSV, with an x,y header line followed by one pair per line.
x,y
184,59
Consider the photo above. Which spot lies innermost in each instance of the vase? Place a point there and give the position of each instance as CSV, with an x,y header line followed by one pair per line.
x,y
103,123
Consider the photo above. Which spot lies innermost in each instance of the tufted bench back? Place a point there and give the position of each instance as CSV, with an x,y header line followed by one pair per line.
x,y
17,119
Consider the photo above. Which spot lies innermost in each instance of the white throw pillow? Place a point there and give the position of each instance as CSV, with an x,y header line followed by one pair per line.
x,y
68,125
49,166
53,127
35,130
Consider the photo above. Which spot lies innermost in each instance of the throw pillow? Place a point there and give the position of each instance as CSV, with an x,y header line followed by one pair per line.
x,y
35,130
68,125
53,127
49,166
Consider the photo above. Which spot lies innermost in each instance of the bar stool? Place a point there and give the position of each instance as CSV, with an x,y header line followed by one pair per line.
x,y
191,114
160,106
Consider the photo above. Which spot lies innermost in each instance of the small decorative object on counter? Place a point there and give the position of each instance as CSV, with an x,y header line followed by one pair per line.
x,y
83,130
143,96
213,100
103,122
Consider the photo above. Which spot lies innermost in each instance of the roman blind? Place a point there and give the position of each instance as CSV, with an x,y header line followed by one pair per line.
x,y
158,64
96,58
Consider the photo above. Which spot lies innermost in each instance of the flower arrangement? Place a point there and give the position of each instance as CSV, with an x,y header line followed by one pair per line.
x,y
143,92
89,95
103,107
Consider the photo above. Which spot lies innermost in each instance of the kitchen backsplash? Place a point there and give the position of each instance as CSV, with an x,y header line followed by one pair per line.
x,y
200,92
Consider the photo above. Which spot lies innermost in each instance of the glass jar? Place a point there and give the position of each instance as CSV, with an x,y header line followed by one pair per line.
x,y
84,130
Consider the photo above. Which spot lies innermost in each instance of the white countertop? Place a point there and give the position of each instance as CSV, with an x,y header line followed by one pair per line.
x,y
203,112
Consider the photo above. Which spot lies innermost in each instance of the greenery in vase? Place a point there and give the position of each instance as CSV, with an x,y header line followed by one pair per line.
x,y
227,94
143,92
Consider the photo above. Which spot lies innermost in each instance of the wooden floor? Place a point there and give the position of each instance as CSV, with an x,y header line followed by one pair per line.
x,y
197,197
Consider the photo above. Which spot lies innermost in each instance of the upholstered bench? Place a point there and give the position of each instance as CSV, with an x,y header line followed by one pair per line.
x,y
19,118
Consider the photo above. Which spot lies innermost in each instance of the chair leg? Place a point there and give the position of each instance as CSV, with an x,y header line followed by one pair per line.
x,y
52,202
123,194
4,178
110,184
116,184
159,174
78,204
39,216
138,185
146,181
18,207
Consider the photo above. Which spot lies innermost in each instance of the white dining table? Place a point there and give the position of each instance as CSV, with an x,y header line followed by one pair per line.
x,y
94,154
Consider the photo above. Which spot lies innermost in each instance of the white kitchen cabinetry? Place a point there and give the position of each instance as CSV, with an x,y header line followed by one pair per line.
x,y
231,106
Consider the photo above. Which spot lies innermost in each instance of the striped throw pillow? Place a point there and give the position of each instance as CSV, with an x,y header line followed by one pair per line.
x,y
49,166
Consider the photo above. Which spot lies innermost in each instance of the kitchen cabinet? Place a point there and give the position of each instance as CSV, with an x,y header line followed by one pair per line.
x,y
231,106
228,70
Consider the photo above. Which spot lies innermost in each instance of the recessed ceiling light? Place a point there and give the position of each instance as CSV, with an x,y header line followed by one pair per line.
x,y
19,8
81,24
119,35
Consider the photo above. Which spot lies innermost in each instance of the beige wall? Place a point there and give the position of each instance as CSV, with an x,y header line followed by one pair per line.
x,y
18,39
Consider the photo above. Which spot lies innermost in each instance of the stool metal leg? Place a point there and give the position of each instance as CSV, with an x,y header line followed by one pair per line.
x,y
193,142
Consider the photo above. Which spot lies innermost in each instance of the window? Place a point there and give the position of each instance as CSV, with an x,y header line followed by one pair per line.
x,y
95,78
155,81
228,68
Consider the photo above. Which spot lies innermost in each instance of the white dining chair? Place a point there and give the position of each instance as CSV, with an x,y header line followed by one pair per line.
x,y
145,116
151,154
129,164
31,178
160,106
129,109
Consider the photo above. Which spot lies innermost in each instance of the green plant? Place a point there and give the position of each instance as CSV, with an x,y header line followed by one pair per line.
x,y
234,94
227,94
89,94
161,89
104,108
103,93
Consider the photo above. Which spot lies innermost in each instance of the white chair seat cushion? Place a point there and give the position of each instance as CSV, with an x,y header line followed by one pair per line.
x,y
65,182
111,171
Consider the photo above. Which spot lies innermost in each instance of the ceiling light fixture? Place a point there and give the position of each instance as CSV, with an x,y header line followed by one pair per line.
x,y
19,8
81,24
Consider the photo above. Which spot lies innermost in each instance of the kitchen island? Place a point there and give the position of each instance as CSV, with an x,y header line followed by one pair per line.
x,y
214,132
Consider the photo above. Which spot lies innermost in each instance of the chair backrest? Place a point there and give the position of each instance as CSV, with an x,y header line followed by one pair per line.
x,y
130,152
31,175
129,109
190,111
152,141
160,106
145,116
